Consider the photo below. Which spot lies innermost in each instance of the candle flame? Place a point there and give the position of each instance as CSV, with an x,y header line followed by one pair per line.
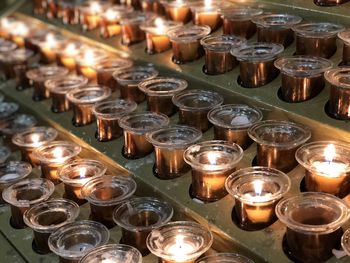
x,y
207,3
82,172
258,186
159,23
179,240
50,40
213,157
35,138
111,14
70,49
329,152
95,7
89,57
21,29
5,23
57,152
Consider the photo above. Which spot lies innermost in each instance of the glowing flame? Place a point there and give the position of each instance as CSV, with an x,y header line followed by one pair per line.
x,y
179,240
82,172
5,23
349,111
258,186
57,153
207,4
35,138
179,2
70,49
329,152
159,23
50,40
213,157
89,57
95,7
111,15
21,29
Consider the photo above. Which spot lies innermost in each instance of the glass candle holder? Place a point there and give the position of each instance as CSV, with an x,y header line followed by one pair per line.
x,y
105,69
276,28
256,63
67,55
24,194
302,77
83,100
225,257
232,121
138,217
339,96
194,106
15,65
159,92
70,11
108,114
327,167
30,139
77,173
7,47
46,217
49,46
37,36
17,124
135,127
238,21
11,173
4,154
105,194
317,39
313,222
38,7
156,30
154,6
329,2
205,13
177,10
58,89
185,42
73,241
345,38
114,253
218,59
212,162
7,110
257,191
131,31
87,61
170,144
129,79
180,242
345,240
277,142
6,25
19,30
91,12
110,21
39,75
53,156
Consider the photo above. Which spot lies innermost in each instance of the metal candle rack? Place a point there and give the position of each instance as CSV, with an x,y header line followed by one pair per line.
x,y
263,245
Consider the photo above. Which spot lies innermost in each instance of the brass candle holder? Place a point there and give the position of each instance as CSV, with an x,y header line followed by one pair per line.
x,y
317,39
159,92
90,13
58,89
302,77
345,37
277,142
30,139
54,155
276,28
185,42
327,167
232,121
205,13
108,114
170,144
218,59
212,162
257,191
38,77
110,21
105,194
138,217
6,24
114,253
105,69
177,10
136,126
129,79
256,63
73,241
194,106
83,100
23,195
77,173
339,96
313,222
238,21
225,257
46,217
87,61
12,172
179,242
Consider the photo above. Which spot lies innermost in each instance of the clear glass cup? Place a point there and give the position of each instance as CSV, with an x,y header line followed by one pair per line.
x,y
206,13
180,241
7,109
313,222
159,92
46,217
177,11
169,144
194,106
23,195
225,258
105,194
277,142
138,217
90,13
344,36
77,173
86,62
73,241
66,57
110,20
211,162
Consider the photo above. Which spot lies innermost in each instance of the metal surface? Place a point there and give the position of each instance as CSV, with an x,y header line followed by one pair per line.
x,y
264,245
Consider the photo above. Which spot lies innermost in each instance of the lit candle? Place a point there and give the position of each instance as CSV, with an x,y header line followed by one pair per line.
x,y
207,15
110,21
92,15
21,31
48,48
5,25
67,57
177,11
87,61
180,249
